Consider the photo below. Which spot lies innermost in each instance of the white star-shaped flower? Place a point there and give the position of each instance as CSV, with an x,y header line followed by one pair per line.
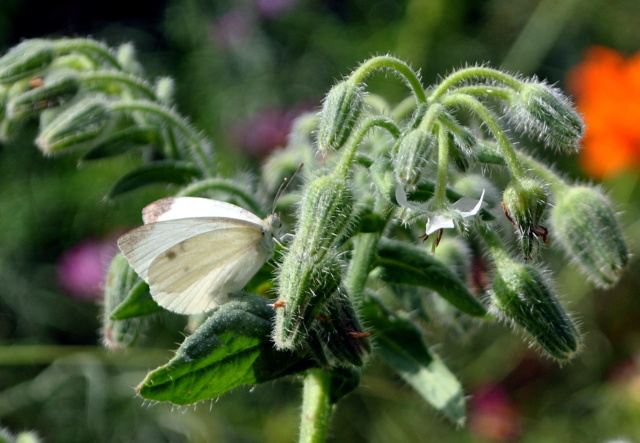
x,y
459,209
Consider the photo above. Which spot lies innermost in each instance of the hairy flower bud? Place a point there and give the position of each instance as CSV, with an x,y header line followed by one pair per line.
x,y
304,286
53,92
311,271
415,149
547,114
119,281
76,126
325,216
340,112
585,224
521,295
28,59
524,203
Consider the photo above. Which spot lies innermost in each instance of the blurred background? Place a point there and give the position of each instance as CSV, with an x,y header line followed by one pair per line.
x,y
244,71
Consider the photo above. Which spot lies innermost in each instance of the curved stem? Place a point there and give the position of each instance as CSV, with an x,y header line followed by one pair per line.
x,y
88,47
384,61
486,91
201,149
474,105
316,407
467,74
557,184
351,146
114,76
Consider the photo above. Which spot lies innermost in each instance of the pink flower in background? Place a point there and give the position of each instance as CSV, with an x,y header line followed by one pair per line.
x,y
266,131
274,8
231,29
493,415
82,268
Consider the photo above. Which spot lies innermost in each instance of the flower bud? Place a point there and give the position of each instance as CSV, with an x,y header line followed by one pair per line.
x,y
119,282
304,285
522,296
415,149
340,112
27,59
54,92
340,334
586,227
324,217
547,114
524,203
76,126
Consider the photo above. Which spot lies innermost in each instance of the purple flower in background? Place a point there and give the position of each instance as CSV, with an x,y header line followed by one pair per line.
x,y
81,269
266,131
493,416
230,30
274,8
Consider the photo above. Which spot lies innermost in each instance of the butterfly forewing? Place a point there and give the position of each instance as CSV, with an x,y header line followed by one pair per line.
x,y
198,273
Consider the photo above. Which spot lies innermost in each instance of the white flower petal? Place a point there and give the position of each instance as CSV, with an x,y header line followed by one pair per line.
x,y
444,221
475,209
401,196
438,222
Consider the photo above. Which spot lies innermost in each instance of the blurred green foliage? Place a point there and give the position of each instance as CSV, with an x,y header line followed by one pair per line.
x,y
236,63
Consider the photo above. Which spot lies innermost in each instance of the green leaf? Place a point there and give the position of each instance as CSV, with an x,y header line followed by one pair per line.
x,y
137,303
401,345
404,264
121,141
233,347
167,171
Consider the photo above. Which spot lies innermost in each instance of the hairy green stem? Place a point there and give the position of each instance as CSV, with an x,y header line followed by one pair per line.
x,y
351,146
468,74
120,77
88,47
316,407
551,178
384,61
439,194
487,117
201,149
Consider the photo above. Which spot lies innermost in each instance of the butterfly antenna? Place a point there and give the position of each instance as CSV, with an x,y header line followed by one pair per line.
x,y
283,187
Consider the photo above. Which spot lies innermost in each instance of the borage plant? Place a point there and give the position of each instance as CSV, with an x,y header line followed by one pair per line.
x,y
366,248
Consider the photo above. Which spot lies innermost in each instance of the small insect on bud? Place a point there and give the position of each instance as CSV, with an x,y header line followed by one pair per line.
x,y
77,126
120,279
546,113
305,285
415,149
28,59
522,296
343,340
50,92
586,227
524,203
340,112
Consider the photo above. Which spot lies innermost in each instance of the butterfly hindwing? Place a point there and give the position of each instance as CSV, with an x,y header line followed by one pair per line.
x,y
195,275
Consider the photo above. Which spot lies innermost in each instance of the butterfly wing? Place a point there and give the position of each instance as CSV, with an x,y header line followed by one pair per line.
x,y
172,208
189,263
197,274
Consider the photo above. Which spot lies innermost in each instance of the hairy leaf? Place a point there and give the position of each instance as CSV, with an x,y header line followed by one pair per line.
x,y
401,345
411,265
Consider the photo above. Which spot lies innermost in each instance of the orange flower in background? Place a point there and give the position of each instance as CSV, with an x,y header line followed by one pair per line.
x,y
607,92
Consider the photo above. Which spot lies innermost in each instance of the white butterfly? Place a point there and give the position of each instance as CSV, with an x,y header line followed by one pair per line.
x,y
194,251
